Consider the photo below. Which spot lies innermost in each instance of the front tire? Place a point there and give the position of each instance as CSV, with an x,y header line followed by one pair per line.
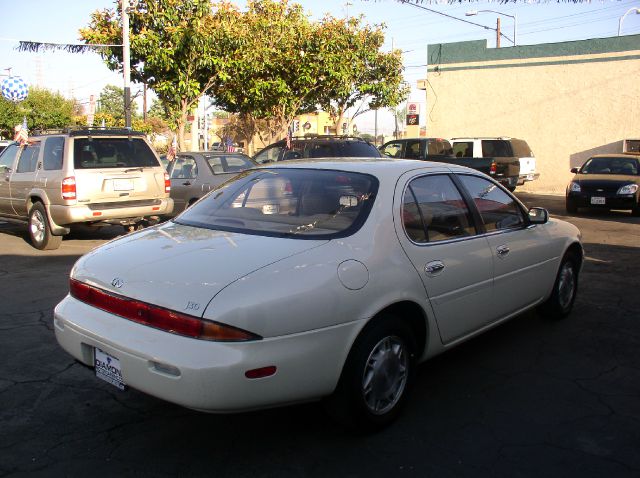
x,y
565,288
571,207
40,230
376,376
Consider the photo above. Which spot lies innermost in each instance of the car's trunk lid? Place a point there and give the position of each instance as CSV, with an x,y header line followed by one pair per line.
x,y
181,267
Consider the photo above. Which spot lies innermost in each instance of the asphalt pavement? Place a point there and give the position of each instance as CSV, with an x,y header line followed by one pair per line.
x,y
531,398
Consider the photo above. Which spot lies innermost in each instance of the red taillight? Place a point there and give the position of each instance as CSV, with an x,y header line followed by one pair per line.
x,y
167,183
69,188
158,317
493,168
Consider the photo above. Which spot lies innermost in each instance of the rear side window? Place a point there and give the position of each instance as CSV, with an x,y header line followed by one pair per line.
x,y
98,153
496,148
521,149
412,150
433,210
28,159
228,164
497,209
52,154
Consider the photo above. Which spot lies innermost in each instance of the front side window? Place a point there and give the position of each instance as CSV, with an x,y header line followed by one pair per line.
x,y
98,153
52,153
270,154
413,150
8,156
29,158
463,149
184,167
293,203
497,208
433,210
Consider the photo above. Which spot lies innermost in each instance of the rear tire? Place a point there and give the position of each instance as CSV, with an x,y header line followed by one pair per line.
x,y
565,288
376,376
39,229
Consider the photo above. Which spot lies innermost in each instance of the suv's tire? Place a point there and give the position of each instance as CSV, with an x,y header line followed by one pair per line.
x,y
570,206
565,288
40,230
376,376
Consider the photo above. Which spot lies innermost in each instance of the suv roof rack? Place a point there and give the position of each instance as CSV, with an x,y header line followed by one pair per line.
x,y
327,137
88,131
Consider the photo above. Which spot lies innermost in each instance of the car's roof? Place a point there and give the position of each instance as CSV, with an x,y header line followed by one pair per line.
x,y
618,155
504,138
375,166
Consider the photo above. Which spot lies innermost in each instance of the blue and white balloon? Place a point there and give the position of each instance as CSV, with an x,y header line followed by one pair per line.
x,y
14,89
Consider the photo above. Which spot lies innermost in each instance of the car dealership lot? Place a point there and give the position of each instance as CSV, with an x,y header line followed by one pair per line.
x,y
531,397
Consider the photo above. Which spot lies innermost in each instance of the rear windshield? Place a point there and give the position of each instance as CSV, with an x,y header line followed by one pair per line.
x,y
293,203
521,149
624,166
95,153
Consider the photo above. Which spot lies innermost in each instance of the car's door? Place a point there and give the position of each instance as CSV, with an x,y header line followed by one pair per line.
x,y
184,182
23,179
7,166
523,261
455,263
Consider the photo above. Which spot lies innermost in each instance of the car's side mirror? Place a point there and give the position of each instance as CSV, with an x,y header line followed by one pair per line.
x,y
5,169
538,215
575,170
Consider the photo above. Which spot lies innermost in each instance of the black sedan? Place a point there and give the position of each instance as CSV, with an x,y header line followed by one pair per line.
x,y
194,174
606,181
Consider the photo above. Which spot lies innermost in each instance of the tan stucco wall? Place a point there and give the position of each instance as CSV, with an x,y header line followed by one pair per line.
x,y
565,111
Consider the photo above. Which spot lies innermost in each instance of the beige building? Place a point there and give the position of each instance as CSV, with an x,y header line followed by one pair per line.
x,y
567,100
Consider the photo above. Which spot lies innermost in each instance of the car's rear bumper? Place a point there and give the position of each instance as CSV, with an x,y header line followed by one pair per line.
x,y
109,211
524,177
206,375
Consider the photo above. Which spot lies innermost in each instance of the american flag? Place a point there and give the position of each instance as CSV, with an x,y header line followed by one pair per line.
x,y
289,135
228,146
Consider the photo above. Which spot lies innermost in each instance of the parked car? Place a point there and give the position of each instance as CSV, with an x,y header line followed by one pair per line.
x,y
300,281
193,174
606,181
92,176
324,146
499,147
503,169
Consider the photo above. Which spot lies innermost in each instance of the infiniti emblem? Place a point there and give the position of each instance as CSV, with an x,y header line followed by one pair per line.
x,y
117,282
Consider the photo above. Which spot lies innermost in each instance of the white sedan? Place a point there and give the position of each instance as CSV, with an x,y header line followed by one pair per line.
x,y
314,280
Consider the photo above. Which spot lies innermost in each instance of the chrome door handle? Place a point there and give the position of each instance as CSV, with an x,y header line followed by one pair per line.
x,y
502,250
433,268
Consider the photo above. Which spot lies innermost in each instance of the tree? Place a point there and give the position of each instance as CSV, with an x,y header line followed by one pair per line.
x,y
175,49
111,102
358,74
43,109
275,72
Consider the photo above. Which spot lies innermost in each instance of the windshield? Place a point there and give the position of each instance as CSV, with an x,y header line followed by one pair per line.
x,y
96,153
625,166
297,203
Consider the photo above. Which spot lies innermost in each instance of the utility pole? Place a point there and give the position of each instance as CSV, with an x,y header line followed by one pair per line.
x,y
126,63
498,32
144,101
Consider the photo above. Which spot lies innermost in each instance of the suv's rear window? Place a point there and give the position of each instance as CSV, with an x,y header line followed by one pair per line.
x,y
95,153
294,203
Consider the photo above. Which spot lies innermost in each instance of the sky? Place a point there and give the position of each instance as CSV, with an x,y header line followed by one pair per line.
x,y
408,28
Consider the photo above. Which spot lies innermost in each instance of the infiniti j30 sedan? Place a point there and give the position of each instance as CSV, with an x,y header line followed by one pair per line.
x,y
320,280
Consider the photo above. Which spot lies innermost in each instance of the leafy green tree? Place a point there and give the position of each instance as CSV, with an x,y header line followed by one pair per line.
x,y
175,49
111,102
43,109
358,74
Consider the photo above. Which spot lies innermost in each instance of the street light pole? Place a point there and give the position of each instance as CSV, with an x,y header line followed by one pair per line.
x,y
472,13
126,63
636,9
